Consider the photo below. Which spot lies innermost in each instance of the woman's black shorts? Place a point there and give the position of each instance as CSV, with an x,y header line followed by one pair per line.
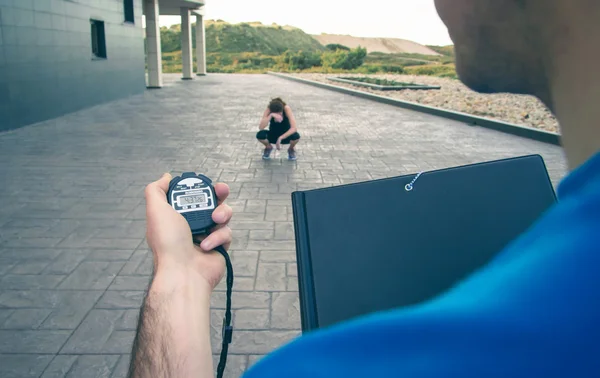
x,y
272,137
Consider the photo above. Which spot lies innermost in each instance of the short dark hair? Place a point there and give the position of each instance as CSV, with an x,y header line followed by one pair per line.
x,y
276,105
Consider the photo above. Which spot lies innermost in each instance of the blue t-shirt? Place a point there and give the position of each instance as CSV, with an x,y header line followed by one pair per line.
x,y
533,312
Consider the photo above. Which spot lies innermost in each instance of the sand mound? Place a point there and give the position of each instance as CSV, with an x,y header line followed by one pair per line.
x,y
384,45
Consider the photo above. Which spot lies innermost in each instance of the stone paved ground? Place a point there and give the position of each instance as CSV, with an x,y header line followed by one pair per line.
x,y
73,259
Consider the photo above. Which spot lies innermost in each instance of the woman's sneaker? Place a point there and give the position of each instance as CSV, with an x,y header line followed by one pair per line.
x,y
291,154
267,153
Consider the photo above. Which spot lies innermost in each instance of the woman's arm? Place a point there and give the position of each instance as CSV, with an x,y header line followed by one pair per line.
x,y
293,126
264,121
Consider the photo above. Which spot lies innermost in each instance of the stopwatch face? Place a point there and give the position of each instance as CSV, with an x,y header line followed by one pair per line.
x,y
192,194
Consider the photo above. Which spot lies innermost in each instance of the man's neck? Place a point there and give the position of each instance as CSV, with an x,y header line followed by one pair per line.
x,y
575,87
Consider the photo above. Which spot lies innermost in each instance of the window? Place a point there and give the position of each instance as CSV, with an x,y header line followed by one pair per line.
x,y
98,39
128,9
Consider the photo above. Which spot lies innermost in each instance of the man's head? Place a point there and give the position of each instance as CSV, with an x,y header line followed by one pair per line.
x,y
505,45
546,48
276,105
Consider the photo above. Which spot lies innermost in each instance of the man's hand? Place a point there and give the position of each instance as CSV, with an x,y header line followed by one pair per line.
x,y
278,145
170,238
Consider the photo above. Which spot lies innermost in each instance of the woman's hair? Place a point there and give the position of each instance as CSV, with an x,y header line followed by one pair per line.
x,y
276,105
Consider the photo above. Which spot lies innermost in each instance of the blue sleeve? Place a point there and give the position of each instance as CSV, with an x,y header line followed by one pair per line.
x,y
421,343
533,312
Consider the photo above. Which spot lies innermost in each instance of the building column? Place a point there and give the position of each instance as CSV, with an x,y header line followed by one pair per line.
x,y
200,45
153,51
186,44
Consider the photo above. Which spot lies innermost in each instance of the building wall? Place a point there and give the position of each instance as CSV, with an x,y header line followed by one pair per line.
x,y
46,62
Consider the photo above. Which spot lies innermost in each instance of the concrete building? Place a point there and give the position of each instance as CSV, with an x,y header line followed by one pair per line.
x,y
59,56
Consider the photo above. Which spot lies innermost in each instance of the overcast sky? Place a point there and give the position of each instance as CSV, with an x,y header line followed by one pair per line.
x,y
416,20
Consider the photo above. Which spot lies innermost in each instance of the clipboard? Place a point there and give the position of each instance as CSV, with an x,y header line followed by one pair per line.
x,y
374,246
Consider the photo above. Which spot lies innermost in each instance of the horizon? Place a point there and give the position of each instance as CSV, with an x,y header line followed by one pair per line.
x,y
413,20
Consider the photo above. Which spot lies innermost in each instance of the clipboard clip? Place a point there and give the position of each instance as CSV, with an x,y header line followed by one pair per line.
x,y
409,187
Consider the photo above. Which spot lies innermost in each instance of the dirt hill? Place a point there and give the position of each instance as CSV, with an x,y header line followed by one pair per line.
x,y
384,45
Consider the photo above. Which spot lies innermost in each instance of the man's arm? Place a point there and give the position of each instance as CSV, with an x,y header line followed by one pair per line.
x,y
173,338
264,121
173,335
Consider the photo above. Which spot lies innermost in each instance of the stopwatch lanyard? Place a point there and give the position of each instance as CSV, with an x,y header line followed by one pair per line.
x,y
227,330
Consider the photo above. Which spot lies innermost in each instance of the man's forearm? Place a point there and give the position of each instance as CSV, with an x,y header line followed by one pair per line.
x,y
173,338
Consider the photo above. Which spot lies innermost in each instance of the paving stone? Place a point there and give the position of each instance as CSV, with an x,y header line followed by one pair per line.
x,y
276,213
59,366
134,262
6,265
239,284
261,235
271,277
251,319
240,300
29,254
109,255
259,341
243,284
292,284
98,334
285,313
253,359
277,256
237,224
121,299
38,341
23,365
279,245
284,231
30,267
122,368
119,243
129,321
30,318
256,206
5,313
130,283
66,262
292,270
94,366
244,263
23,282
92,275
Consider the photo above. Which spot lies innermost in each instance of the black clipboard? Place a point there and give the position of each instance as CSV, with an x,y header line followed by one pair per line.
x,y
373,246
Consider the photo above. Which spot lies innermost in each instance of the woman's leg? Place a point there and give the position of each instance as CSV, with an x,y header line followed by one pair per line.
x,y
263,137
292,140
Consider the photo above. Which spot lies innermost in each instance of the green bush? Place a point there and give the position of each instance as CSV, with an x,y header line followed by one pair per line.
x,y
392,69
336,46
347,60
301,60
447,70
369,69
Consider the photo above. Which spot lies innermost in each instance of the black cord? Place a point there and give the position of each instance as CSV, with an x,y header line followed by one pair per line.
x,y
227,330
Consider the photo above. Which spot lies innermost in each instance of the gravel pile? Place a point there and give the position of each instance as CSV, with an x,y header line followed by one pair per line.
x,y
517,109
